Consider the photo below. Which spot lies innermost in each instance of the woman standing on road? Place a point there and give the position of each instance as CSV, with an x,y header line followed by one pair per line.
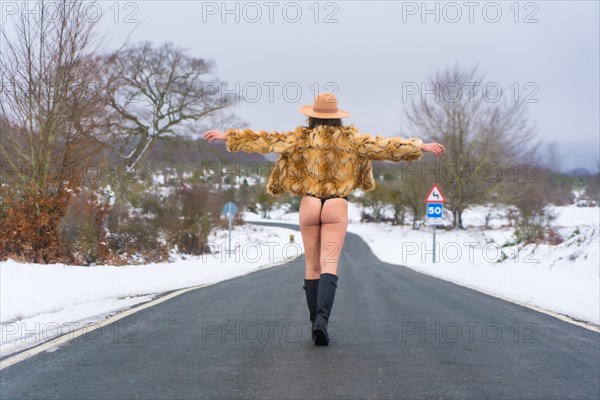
x,y
323,162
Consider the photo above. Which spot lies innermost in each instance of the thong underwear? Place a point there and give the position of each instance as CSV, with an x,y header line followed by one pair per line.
x,y
324,199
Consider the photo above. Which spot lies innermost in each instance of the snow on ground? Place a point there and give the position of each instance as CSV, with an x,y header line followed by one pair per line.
x,y
41,302
564,278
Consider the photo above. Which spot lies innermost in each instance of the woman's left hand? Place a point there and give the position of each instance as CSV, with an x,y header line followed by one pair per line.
x,y
434,148
215,135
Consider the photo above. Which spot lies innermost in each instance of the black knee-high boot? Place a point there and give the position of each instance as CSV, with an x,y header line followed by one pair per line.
x,y
325,297
311,287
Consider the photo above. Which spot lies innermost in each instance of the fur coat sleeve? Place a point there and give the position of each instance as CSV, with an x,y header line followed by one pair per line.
x,y
263,142
387,148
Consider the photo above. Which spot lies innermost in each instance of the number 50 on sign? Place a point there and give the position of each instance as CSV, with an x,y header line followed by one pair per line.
x,y
435,210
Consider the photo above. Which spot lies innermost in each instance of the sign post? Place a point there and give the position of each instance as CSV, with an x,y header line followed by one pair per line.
x,y
435,209
229,210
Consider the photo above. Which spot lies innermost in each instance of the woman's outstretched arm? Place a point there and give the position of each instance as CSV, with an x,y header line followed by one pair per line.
x,y
252,141
394,148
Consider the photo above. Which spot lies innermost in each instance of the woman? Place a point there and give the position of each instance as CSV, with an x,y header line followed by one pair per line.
x,y
323,162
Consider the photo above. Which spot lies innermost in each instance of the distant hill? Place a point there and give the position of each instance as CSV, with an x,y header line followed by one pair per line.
x,y
580,173
192,152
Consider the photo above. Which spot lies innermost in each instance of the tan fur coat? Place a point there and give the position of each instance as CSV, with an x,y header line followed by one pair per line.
x,y
324,160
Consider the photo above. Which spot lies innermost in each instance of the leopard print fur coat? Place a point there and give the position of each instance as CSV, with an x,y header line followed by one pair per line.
x,y
324,160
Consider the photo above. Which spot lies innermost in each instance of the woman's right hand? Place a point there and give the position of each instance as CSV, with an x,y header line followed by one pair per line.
x,y
215,135
434,148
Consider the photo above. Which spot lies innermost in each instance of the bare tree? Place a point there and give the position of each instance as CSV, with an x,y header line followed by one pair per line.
x,y
483,138
49,94
47,108
154,92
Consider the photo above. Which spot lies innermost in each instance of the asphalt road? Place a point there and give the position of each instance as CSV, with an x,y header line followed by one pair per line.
x,y
396,334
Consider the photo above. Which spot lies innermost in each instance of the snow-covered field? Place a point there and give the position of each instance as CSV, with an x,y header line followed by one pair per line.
x,y
564,278
41,302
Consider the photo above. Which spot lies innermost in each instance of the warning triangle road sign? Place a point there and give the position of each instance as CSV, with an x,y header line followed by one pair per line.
x,y
435,195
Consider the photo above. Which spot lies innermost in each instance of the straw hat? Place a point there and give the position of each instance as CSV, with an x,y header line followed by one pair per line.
x,y
326,106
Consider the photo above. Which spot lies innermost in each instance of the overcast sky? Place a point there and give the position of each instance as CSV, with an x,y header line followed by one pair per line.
x,y
371,50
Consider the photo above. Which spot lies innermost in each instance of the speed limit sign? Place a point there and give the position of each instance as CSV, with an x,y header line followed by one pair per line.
x,y
435,210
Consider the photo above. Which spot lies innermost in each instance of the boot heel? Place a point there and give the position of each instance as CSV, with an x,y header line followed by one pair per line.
x,y
321,338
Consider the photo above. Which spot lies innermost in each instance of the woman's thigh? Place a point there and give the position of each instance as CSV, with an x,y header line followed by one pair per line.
x,y
310,228
334,222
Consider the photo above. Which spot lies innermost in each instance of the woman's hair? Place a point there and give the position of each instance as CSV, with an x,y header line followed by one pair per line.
x,y
312,122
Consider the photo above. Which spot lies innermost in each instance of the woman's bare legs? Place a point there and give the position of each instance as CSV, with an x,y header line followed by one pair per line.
x,y
310,228
334,222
